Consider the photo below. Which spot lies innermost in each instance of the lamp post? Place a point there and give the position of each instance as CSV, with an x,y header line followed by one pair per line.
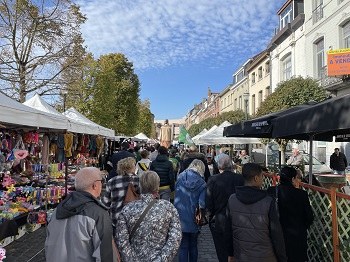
x,y
246,99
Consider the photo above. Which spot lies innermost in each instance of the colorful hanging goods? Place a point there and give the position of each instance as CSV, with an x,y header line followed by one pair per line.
x,y
2,254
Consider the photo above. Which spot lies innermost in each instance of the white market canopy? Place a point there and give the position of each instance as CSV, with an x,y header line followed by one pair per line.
x,y
142,136
197,138
40,104
200,133
13,112
215,137
73,114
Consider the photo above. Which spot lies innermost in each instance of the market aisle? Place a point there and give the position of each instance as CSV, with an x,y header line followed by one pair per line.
x,y
30,247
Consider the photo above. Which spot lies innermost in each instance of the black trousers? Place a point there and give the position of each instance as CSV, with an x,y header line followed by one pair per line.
x,y
219,242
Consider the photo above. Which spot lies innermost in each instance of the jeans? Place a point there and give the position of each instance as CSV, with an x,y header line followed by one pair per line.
x,y
165,194
188,251
219,242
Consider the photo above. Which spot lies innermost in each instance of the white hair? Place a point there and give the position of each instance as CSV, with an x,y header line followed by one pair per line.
x,y
198,166
86,177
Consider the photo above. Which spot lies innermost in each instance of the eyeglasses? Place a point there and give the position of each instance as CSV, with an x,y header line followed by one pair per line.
x,y
102,181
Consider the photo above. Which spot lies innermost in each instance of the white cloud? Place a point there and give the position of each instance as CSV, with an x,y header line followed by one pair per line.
x,y
155,34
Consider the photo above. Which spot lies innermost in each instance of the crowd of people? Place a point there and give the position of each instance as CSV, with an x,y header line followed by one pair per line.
x,y
247,223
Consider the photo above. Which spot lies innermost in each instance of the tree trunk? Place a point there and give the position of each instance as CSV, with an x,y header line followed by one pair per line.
x,y
22,84
282,147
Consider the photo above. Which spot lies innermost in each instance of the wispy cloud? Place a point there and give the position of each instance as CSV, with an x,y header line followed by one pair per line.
x,y
159,33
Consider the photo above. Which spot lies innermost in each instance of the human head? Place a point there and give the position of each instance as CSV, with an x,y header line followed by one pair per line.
x,y
162,150
209,159
126,166
144,154
156,146
89,179
336,151
224,163
166,121
198,166
149,182
252,174
295,150
173,152
289,175
243,152
125,145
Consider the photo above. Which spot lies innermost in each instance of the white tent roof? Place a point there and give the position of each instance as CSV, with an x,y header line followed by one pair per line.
x,y
216,137
197,139
141,136
73,114
13,112
200,133
38,103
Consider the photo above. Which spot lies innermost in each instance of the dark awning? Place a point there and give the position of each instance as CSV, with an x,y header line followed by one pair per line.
x,y
322,121
260,127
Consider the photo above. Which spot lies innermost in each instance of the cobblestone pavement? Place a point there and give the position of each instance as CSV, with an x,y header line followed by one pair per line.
x,y
30,247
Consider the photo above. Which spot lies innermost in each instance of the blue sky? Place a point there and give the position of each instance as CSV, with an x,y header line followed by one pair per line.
x,y
180,48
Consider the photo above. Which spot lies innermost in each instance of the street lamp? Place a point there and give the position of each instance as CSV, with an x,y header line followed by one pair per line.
x,y
64,93
246,99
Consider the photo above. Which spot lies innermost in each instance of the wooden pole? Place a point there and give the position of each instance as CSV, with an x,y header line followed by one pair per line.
x,y
336,254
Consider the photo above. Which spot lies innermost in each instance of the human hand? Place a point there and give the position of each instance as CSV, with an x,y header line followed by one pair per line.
x,y
230,259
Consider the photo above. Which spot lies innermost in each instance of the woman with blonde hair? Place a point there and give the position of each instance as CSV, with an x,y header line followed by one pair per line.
x,y
148,229
190,192
117,187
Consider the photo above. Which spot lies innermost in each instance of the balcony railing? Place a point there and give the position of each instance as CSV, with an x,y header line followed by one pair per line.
x,y
329,82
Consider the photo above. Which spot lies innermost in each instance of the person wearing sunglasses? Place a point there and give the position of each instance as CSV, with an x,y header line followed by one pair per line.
x,y
80,228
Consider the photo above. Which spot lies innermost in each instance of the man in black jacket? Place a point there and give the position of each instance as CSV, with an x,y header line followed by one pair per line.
x,y
338,162
219,189
123,153
164,168
255,232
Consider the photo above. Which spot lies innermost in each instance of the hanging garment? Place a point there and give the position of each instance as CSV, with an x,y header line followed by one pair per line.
x,y
45,150
68,144
100,145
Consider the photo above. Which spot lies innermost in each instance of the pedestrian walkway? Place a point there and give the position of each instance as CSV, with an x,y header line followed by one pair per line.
x,y
30,247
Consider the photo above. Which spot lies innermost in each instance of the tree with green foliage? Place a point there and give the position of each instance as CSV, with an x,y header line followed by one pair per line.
x,y
146,118
293,92
114,99
39,41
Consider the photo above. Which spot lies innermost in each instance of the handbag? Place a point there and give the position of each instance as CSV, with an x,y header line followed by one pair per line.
x,y
200,217
131,194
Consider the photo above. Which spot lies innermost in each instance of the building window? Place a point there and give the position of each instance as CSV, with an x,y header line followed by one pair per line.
x,y
287,68
260,98
346,35
240,76
317,13
253,78
253,104
267,91
240,103
235,104
286,16
267,67
319,47
260,72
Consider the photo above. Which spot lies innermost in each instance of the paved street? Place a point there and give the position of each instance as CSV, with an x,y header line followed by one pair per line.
x,y
30,247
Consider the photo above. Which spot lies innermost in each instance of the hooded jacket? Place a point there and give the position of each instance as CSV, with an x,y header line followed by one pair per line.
x,y
190,191
338,162
256,233
80,230
184,164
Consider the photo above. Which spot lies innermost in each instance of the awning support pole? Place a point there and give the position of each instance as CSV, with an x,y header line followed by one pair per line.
x,y
310,158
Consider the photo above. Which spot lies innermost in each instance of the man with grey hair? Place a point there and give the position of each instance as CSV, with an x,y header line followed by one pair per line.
x,y
219,188
80,228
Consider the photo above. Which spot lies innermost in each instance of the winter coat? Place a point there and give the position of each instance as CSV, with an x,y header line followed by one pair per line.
x,y
219,188
115,193
188,160
157,238
189,193
164,168
296,217
115,159
338,162
80,230
256,233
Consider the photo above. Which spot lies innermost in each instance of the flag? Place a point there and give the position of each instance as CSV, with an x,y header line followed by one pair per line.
x,y
184,136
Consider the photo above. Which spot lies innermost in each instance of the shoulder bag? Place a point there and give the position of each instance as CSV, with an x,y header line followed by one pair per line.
x,y
200,217
144,213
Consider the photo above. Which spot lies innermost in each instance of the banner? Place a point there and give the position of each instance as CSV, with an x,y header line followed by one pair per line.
x,y
338,62
184,136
